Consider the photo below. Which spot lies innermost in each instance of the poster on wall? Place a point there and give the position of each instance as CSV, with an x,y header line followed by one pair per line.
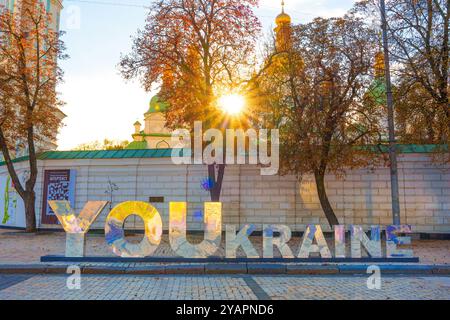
x,y
12,211
58,185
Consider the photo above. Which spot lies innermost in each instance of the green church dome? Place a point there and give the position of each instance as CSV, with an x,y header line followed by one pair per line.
x,y
378,91
157,105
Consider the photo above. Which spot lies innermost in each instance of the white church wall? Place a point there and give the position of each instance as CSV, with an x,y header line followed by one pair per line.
x,y
362,197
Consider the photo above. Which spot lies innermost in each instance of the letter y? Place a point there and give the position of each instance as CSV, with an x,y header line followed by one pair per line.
x,y
76,227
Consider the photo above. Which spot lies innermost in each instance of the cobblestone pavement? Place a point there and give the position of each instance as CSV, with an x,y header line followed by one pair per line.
x,y
222,287
355,288
18,247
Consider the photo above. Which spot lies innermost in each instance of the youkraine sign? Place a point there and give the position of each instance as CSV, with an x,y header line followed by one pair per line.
x,y
313,239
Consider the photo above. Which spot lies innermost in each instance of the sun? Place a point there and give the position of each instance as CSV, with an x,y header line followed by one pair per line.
x,y
233,104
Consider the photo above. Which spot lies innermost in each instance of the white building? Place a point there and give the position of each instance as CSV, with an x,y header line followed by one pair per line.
x,y
54,7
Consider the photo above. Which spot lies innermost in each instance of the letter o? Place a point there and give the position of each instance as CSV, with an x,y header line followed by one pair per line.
x,y
115,234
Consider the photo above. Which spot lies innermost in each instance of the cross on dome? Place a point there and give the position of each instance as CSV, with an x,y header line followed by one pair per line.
x,y
283,18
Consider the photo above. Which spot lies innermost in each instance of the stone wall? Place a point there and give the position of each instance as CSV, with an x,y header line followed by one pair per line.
x,y
362,197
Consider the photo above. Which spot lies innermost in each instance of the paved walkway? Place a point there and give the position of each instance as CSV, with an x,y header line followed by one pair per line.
x,y
222,287
18,247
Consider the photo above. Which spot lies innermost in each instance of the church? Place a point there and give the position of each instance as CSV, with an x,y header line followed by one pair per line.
x,y
155,135
144,171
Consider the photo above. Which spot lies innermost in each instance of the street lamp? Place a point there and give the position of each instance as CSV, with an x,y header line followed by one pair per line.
x,y
391,126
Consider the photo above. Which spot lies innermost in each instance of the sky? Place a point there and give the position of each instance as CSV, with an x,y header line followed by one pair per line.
x,y
99,102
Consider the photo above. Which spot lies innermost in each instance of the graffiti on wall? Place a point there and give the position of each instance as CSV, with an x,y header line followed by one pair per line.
x,y
11,205
9,202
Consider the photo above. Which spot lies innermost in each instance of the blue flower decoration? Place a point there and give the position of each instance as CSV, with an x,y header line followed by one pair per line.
x,y
198,216
207,184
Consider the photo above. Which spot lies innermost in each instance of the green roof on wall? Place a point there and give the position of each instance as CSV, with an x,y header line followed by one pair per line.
x,y
166,153
107,154
412,148
100,154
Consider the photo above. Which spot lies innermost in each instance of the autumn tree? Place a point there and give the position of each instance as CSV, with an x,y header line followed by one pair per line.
x,y
314,92
195,50
418,33
419,119
106,144
29,50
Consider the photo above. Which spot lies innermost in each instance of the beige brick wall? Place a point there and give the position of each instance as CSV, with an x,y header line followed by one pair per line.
x,y
362,197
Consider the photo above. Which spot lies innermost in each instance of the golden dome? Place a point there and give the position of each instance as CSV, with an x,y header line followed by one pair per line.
x,y
283,18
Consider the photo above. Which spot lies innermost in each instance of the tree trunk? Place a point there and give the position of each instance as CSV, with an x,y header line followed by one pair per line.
x,y
30,211
322,193
216,182
445,63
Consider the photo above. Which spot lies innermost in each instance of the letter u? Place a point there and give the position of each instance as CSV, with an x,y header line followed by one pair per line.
x,y
177,230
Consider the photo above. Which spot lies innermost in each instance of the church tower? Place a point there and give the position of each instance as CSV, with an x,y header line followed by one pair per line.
x,y
377,90
283,30
378,87
155,134
379,65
